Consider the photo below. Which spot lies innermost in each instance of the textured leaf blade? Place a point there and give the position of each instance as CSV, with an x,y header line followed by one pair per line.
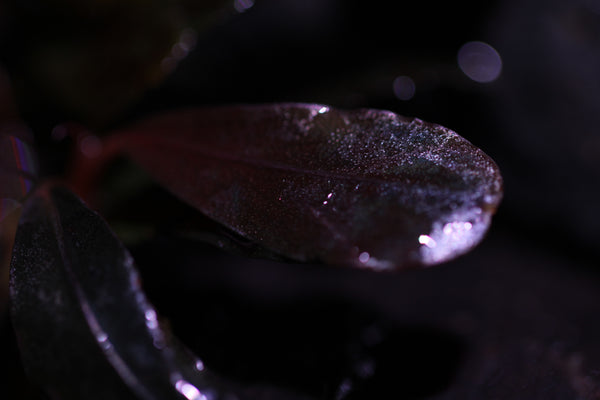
x,y
365,188
84,326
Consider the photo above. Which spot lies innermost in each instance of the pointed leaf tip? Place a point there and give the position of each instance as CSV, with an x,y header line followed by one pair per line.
x,y
364,188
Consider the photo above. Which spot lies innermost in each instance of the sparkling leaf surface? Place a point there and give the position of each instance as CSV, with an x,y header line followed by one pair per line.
x,y
364,188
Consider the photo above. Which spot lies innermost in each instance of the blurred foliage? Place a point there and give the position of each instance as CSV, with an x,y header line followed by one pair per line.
x,y
94,58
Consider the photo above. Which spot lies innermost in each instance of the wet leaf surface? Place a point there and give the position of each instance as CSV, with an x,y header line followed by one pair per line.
x,y
364,188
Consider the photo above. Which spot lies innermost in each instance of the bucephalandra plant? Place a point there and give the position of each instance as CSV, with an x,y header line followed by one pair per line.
x,y
295,182
304,182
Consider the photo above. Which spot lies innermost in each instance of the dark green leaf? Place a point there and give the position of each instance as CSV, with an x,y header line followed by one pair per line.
x,y
364,188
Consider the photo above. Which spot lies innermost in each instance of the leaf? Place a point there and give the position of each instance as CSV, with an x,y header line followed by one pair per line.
x,y
84,326
364,188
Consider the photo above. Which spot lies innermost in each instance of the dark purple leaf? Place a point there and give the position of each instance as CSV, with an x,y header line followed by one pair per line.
x,y
84,326
364,188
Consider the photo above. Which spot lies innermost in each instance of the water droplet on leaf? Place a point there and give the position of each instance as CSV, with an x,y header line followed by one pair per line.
x,y
415,178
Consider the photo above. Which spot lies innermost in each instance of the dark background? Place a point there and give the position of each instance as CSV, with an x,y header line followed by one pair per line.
x,y
516,318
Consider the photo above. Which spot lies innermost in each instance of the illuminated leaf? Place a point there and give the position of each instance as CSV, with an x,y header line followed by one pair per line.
x,y
364,188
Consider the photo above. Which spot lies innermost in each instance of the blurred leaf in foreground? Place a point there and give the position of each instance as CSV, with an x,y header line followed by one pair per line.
x,y
84,326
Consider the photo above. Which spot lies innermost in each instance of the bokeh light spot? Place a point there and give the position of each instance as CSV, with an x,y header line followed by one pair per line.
x,y
480,62
242,5
91,146
404,88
